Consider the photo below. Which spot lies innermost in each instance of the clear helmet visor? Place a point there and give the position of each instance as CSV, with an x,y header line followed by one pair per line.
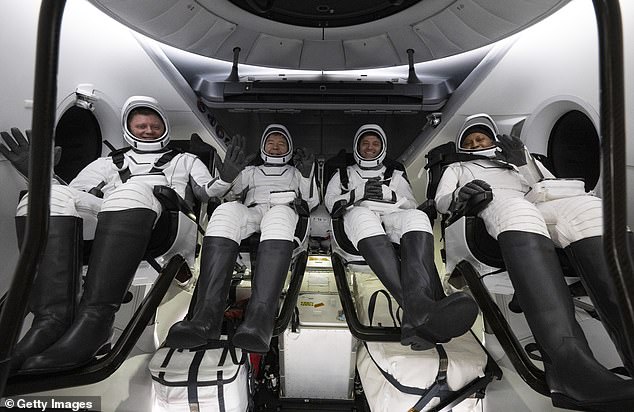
x,y
147,109
478,136
276,132
362,159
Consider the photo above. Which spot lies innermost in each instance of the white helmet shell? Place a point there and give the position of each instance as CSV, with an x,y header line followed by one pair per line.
x,y
276,159
478,122
376,161
136,102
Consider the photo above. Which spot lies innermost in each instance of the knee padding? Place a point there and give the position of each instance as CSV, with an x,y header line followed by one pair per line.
x,y
62,202
227,221
360,223
577,218
132,195
278,223
403,221
513,213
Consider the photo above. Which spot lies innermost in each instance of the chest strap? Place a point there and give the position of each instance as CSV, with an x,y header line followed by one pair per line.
x,y
118,158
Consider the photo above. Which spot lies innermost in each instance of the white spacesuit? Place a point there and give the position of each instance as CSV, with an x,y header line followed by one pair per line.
x,y
112,199
527,232
268,191
372,225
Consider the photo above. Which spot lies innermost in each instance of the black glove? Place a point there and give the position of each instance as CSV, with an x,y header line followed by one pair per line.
x,y
17,151
373,189
303,159
467,194
511,150
235,160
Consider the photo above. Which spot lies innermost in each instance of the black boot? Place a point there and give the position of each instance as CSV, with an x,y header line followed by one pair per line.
x,y
54,294
218,258
121,239
588,258
427,320
430,313
576,380
272,263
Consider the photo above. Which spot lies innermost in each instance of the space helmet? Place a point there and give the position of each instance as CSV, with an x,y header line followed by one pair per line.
x,y
140,103
482,123
378,159
276,159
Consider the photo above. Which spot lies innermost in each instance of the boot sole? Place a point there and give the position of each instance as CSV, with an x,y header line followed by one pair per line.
x,y
53,369
250,343
560,400
443,324
181,340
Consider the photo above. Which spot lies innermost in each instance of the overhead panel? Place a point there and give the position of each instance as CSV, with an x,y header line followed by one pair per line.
x,y
270,50
210,42
377,50
322,53
319,35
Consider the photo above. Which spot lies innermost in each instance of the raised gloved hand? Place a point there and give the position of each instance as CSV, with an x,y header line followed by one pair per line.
x,y
17,149
511,150
235,160
466,195
373,189
304,159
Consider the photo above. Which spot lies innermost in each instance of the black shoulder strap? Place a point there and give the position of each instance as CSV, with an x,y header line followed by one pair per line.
x,y
118,160
165,159
440,157
343,177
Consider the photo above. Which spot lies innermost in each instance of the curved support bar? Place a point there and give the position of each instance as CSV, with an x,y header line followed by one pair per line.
x,y
359,330
612,97
290,301
99,370
40,170
532,375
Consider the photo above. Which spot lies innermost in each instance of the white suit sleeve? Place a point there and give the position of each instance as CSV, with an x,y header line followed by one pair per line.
x,y
448,184
400,189
545,172
99,171
334,192
308,189
203,185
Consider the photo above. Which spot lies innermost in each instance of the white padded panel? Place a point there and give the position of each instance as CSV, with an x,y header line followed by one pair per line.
x,y
193,30
405,38
135,12
270,50
322,53
367,52
240,37
213,38
174,19
433,28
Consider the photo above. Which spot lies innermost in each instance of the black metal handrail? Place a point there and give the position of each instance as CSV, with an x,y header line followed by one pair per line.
x,y
532,375
40,165
358,329
612,97
290,301
104,367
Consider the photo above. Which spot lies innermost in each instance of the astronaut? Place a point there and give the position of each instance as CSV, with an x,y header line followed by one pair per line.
x,y
111,201
376,196
269,191
527,233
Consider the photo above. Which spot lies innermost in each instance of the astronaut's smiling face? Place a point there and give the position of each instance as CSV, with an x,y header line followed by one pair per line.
x,y
276,145
369,146
476,141
146,126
